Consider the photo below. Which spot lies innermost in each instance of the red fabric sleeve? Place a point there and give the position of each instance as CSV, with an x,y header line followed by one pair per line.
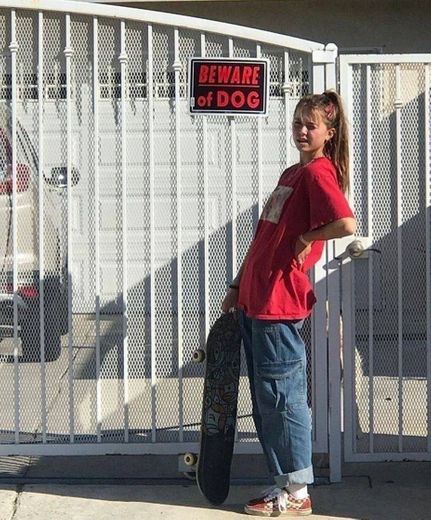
x,y
327,202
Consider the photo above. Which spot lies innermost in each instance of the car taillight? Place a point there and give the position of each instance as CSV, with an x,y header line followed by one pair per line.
x,y
26,291
22,180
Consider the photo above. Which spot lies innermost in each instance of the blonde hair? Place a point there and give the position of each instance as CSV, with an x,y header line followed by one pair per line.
x,y
331,109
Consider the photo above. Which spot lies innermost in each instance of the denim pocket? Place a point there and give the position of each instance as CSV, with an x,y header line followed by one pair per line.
x,y
283,384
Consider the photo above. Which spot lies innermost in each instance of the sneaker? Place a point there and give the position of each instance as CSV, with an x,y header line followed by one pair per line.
x,y
278,502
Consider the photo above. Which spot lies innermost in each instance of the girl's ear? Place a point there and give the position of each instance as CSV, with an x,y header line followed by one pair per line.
x,y
331,133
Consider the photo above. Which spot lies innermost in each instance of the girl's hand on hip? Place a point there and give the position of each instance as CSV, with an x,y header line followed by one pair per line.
x,y
301,251
230,300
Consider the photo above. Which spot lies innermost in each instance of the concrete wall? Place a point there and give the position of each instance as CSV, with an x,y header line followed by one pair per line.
x,y
386,25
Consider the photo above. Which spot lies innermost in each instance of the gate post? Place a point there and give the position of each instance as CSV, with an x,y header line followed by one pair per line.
x,y
327,288
324,73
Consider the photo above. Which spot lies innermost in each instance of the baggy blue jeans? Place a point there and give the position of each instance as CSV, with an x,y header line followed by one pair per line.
x,y
276,362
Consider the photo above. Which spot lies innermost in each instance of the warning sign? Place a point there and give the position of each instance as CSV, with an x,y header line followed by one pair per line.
x,y
228,86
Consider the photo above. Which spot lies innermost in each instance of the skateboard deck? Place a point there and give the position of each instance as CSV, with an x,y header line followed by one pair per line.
x,y
219,409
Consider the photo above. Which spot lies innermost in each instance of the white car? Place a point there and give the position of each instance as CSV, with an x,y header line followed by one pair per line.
x,y
28,255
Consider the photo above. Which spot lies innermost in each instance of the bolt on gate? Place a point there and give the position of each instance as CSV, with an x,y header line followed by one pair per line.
x,y
126,217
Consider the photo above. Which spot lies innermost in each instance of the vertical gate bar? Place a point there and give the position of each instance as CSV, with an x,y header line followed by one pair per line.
x,y
232,124
334,372
330,68
318,78
97,222
370,258
123,64
259,150
334,318
231,47
68,54
319,318
206,237
398,104
350,413
286,90
152,232
428,240
353,348
320,346
177,70
40,96
13,47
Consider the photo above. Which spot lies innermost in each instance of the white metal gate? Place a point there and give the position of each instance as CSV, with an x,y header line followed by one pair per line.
x,y
138,215
387,291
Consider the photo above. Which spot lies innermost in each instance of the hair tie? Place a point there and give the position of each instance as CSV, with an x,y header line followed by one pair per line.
x,y
330,111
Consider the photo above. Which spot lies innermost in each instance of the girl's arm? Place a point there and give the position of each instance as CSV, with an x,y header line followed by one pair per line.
x,y
231,298
237,279
336,229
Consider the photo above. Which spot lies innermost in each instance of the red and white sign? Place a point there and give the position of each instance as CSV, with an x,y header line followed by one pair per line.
x,y
229,86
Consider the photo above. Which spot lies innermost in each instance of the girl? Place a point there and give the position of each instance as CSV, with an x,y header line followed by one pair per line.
x,y
274,295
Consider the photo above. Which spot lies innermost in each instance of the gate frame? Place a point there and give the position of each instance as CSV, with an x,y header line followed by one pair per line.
x,y
347,388
323,69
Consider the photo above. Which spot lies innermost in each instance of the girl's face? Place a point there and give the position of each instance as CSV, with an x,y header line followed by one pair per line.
x,y
310,134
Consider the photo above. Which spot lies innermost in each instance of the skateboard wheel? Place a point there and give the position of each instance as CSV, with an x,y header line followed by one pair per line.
x,y
198,356
190,459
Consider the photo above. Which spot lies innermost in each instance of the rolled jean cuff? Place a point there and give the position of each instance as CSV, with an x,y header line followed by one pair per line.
x,y
302,476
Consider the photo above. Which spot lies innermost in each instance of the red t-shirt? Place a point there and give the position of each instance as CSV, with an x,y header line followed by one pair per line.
x,y
273,286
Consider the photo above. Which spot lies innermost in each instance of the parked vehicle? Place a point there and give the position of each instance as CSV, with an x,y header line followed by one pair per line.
x,y
28,259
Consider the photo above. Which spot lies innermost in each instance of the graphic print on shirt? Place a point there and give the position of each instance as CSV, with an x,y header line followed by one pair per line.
x,y
273,208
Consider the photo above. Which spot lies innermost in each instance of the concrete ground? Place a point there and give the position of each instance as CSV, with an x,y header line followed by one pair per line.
x,y
102,488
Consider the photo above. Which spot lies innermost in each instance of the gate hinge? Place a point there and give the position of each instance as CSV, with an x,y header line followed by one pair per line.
x,y
328,55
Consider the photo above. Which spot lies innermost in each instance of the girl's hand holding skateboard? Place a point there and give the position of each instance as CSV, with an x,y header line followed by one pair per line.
x,y
230,300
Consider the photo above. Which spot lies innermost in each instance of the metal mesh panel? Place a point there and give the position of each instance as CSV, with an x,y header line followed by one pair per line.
x,y
276,70
216,46
110,173
192,237
359,150
83,233
6,360
299,74
55,218
360,184
414,351
165,235
390,365
30,395
138,233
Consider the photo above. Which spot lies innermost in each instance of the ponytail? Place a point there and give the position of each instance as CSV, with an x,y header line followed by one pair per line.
x,y
331,108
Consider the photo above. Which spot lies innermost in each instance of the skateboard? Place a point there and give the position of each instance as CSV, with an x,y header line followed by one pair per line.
x,y
219,408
